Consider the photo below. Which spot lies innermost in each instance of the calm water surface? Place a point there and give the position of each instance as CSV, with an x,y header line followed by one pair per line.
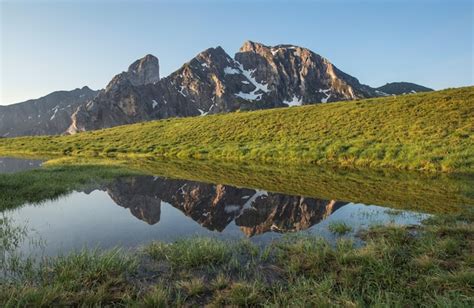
x,y
132,211
12,165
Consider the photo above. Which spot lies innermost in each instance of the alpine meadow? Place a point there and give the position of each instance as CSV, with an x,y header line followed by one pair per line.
x,y
430,131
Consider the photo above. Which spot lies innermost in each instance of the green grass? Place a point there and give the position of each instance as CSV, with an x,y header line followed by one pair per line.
x,y
339,228
193,286
190,253
427,131
88,277
429,265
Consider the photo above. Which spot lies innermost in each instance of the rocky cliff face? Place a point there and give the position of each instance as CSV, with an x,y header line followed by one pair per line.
x,y
291,75
215,206
47,115
143,71
258,77
122,101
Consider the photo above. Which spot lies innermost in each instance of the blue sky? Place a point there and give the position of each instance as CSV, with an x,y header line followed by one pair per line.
x,y
61,45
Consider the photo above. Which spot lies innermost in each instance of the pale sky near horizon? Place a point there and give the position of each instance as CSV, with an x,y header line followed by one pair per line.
x,y
62,45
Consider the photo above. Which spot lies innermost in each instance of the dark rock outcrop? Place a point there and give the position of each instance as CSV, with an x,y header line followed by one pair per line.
x,y
282,213
400,88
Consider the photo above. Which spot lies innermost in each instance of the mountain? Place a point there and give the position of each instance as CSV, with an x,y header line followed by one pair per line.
x,y
48,115
258,77
399,88
122,101
291,75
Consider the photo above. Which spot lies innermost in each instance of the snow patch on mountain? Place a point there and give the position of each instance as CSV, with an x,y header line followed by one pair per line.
x,y
231,71
181,91
252,96
55,109
327,93
295,101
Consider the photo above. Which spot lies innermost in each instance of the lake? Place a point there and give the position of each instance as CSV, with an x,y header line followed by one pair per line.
x,y
263,203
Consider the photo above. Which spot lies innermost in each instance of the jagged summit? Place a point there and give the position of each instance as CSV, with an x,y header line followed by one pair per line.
x,y
144,71
251,46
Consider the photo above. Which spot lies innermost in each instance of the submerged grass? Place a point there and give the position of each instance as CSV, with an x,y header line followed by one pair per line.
x,y
429,265
427,131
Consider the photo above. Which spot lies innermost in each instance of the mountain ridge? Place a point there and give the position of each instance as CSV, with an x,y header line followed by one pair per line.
x,y
400,88
257,77
48,115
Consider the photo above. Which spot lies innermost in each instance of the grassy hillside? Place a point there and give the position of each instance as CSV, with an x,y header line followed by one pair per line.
x,y
429,131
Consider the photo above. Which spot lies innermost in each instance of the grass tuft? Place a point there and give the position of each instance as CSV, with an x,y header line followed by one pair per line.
x,y
190,253
193,286
339,228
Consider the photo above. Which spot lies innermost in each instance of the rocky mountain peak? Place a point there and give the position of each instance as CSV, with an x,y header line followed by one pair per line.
x,y
250,46
213,51
209,58
295,75
144,71
277,50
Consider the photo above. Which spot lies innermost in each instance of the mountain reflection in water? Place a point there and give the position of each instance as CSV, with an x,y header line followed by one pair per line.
x,y
214,206
167,209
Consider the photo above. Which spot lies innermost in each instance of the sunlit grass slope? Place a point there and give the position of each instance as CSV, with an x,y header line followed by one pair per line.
x,y
429,131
